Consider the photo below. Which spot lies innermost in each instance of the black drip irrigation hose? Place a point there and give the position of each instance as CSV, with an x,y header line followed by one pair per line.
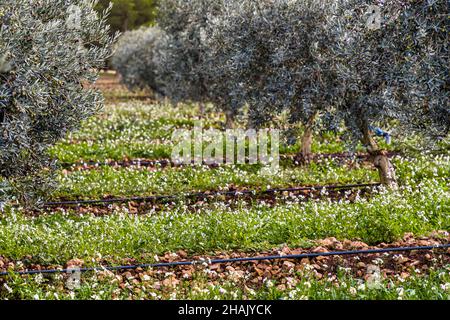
x,y
168,162
207,195
231,260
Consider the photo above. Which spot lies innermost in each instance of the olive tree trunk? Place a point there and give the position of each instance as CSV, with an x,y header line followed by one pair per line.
x,y
380,160
305,155
202,108
229,124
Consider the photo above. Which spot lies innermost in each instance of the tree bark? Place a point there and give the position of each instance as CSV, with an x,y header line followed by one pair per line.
x,y
202,108
305,155
229,124
125,24
379,159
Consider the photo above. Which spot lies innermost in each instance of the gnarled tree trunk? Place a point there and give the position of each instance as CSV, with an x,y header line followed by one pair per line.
x,y
202,108
229,124
379,159
305,155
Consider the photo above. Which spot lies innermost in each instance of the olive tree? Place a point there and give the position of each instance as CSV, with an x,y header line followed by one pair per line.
x,y
361,63
49,53
136,57
179,67
268,54
390,58
183,67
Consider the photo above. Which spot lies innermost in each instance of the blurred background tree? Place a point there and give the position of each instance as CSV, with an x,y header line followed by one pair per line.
x,y
129,14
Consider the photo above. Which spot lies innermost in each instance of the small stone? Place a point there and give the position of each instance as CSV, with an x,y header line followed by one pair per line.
x,y
402,260
328,242
347,244
75,263
259,271
128,276
286,250
157,285
170,282
359,245
305,261
361,265
214,266
261,266
145,277
414,263
321,259
320,250
182,254
318,275
287,265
